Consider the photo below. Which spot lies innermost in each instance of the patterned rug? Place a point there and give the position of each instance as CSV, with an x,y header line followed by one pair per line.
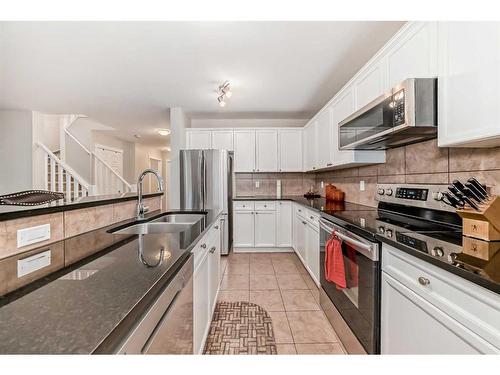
x,y
240,328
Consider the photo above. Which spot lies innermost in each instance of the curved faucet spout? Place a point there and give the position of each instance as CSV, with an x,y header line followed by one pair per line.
x,y
141,210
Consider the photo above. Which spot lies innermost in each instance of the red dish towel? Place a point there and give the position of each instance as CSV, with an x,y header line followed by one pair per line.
x,y
334,263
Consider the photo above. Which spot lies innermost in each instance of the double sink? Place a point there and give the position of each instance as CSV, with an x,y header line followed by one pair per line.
x,y
168,223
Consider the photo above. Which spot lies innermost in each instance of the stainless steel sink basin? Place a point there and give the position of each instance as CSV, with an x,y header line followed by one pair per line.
x,y
155,228
179,218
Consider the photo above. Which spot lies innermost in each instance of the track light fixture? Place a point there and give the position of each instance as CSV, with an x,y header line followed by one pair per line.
x,y
223,92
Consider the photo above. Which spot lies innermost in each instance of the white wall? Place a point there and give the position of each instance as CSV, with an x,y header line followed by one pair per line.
x,y
178,124
16,151
247,123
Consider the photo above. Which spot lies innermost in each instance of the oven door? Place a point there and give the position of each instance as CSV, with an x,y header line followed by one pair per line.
x,y
359,302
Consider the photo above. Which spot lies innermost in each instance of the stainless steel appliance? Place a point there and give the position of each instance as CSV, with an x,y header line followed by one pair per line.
x,y
355,310
167,327
404,115
207,184
413,217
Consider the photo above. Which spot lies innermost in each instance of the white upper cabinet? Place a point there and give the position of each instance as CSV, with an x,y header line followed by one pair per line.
x,y
222,140
199,139
266,150
324,136
413,54
310,149
369,85
290,150
244,150
469,84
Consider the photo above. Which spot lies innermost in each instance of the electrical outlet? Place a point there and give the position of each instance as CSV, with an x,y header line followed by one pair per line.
x,y
362,185
322,185
257,184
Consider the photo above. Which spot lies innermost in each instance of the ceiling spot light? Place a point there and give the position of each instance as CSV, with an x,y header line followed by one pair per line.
x,y
164,132
223,93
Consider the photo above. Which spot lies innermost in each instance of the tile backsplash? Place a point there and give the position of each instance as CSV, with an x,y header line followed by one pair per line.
x,y
418,163
291,183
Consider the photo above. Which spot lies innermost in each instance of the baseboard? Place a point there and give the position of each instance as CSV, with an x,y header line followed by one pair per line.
x,y
263,250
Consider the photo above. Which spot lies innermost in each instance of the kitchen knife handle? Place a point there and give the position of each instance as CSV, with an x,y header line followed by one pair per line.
x,y
479,196
478,186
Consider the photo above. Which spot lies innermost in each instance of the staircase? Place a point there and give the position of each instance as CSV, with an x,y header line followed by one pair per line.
x,y
54,184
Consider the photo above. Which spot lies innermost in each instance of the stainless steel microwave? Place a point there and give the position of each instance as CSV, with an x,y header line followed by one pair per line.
x,y
404,115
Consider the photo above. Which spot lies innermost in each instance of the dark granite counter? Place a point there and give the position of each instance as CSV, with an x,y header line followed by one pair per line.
x,y
8,212
74,309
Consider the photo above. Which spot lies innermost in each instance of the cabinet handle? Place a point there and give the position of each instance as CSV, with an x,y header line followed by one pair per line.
x,y
329,164
305,223
423,281
256,213
203,246
311,217
216,227
212,250
265,205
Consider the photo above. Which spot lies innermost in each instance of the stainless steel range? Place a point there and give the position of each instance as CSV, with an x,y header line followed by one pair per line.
x,y
413,216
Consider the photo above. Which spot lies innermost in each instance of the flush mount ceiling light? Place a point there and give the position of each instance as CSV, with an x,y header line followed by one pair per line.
x,y
164,132
224,92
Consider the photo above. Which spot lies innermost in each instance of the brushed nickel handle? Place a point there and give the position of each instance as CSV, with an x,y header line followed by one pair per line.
x,y
203,246
423,281
216,227
212,250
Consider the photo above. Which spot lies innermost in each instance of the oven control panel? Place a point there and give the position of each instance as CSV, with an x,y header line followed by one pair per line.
x,y
425,196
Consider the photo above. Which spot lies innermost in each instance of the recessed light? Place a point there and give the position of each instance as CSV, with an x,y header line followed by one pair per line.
x,y
164,131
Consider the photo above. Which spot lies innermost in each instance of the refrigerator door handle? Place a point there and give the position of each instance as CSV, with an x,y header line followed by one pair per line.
x,y
222,239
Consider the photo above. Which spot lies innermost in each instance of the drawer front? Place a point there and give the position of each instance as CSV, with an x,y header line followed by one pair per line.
x,y
312,217
476,308
265,206
243,206
200,250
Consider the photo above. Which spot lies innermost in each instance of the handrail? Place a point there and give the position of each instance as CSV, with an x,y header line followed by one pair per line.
x,y
113,171
75,175
78,142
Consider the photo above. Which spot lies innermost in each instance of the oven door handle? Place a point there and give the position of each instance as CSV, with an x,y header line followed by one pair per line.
x,y
354,242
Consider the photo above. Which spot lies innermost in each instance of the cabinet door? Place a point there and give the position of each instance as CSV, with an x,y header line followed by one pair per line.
x,y
340,109
267,150
369,85
199,139
201,312
222,140
214,265
301,239
290,150
324,138
310,149
411,325
243,229
244,151
414,54
284,224
265,229
469,84
312,240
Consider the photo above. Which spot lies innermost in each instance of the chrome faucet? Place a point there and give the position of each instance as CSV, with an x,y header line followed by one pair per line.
x,y
141,209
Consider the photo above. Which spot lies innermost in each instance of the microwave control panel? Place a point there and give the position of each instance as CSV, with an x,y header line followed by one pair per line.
x,y
398,100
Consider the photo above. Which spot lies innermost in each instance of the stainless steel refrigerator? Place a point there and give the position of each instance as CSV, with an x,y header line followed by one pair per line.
x,y
206,178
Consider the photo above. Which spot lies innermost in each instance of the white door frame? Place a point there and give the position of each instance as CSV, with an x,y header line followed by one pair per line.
x,y
160,165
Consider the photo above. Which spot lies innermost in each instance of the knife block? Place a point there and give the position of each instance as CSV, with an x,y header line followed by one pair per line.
x,y
483,224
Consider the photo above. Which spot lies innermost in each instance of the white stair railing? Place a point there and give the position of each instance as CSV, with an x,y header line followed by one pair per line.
x,y
62,178
106,179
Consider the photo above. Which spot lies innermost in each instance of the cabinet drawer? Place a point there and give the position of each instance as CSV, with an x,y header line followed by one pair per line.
x,y
312,217
243,206
265,206
476,308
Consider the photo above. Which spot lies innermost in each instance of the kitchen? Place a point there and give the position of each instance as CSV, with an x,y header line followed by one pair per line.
x,y
369,225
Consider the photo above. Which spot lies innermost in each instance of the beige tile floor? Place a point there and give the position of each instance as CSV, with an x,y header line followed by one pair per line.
x,y
279,283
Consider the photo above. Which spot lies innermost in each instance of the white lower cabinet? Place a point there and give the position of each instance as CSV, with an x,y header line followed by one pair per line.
x,y
284,224
427,310
306,240
312,250
206,281
265,228
243,228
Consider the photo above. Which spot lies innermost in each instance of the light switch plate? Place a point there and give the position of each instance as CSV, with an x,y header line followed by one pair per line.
x,y
322,185
257,184
33,263
29,236
362,185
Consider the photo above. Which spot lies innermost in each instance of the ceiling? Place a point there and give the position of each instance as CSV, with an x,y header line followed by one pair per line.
x,y
128,74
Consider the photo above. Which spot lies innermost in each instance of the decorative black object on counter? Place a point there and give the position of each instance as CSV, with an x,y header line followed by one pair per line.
x,y
30,198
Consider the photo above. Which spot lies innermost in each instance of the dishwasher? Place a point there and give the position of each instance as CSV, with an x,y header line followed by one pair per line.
x,y
167,327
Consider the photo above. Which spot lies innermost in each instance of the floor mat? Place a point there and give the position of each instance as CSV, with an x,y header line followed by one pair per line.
x,y
240,328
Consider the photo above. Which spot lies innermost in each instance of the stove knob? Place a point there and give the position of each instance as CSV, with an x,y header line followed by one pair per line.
x,y
381,230
380,191
388,233
437,251
452,257
388,192
437,196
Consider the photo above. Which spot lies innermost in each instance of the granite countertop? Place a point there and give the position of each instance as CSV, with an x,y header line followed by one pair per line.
x,y
8,212
77,307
